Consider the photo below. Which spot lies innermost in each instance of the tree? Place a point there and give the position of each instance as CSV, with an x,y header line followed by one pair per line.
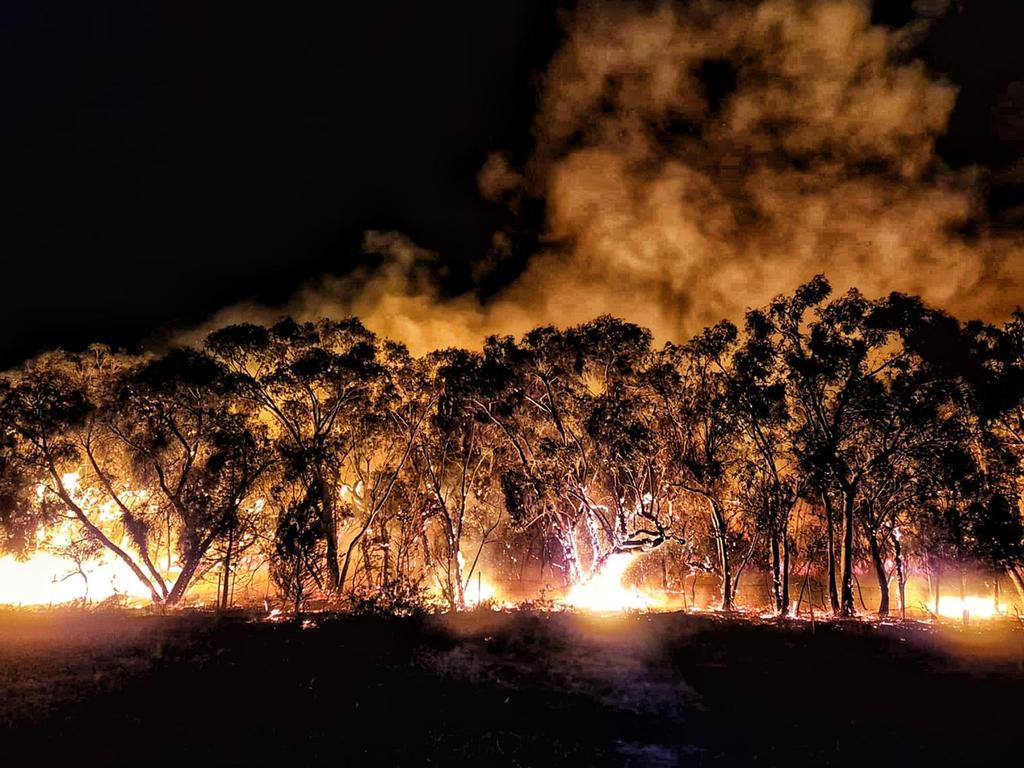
x,y
319,384
153,445
456,462
704,433
758,398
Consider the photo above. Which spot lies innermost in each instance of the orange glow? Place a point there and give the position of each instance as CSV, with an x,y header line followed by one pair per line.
x,y
479,591
976,607
604,592
46,579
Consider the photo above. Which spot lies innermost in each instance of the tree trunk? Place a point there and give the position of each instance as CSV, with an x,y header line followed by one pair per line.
x,y
181,584
785,574
227,570
721,534
1017,581
901,575
847,607
330,527
343,577
780,601
883,581
830,552
459,591
570,554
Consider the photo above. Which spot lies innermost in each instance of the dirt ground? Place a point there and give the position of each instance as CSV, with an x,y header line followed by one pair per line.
x,y
515,689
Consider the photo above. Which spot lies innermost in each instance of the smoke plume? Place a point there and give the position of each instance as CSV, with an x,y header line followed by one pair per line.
x,y
695,161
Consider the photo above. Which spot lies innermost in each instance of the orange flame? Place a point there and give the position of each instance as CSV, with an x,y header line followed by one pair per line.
x,y
604,592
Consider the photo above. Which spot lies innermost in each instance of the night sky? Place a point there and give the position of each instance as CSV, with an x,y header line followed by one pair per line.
x,y
163,159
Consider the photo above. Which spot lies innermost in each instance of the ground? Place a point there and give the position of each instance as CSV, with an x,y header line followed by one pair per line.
x,y
516,689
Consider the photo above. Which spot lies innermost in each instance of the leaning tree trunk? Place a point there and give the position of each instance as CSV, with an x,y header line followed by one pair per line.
x,y
830,552
721,534
883,581
1016,580
847,607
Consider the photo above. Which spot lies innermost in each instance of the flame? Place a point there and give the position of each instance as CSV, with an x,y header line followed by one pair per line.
x,y
603,592
479,591
974,606
47,579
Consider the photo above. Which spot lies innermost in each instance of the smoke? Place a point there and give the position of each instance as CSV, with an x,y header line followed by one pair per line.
x,y
695,161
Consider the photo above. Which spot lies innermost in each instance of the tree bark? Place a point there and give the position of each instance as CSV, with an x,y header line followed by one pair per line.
x,y
785,573
883,581
777,588
901,574
721,534
227,570
327,520
1016,580
830,553
570,556
459,591
847,607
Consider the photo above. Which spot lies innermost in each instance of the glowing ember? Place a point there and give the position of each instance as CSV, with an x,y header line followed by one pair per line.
x,y
604,592
975,607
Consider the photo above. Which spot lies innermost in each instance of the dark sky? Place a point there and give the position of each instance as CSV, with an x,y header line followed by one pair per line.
x,y
159,160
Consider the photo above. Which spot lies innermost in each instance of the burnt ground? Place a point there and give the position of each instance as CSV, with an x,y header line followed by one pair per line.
x,y
521,689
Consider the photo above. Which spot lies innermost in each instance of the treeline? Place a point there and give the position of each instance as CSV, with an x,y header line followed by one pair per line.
x,y
893,429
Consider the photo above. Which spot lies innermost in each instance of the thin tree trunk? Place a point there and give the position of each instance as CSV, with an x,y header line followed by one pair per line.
x,y
901,575
459,583
1016,580
785,574
830,552
780,601
721,534
847,607
883,581
227,569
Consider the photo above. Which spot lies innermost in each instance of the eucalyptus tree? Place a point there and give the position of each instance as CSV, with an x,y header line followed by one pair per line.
x,y
544,390
456,463
994,389
770,480
704,434
382,442
194,451
319,385
867,391
296,552
18,523
142,457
